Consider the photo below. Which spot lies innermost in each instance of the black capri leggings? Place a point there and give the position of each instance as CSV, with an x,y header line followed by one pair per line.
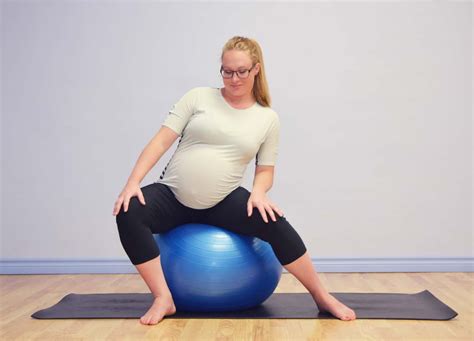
x,y
163,212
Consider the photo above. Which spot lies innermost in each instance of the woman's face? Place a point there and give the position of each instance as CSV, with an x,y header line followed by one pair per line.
x,y
235,60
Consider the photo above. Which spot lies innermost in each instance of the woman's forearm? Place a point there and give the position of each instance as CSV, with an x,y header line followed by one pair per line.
x,y
147,159
262,181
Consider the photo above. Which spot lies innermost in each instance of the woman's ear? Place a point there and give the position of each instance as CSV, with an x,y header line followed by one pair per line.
x,y
257,68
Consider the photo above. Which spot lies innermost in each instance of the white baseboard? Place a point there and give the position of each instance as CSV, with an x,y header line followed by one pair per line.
x,y
121,266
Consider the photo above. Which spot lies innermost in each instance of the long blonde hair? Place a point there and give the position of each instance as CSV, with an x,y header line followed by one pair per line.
x,y
260,87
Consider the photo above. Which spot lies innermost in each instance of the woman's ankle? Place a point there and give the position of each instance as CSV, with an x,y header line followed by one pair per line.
x,y
163,296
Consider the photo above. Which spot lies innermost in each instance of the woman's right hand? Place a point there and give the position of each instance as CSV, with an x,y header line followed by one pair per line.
x,y
130,190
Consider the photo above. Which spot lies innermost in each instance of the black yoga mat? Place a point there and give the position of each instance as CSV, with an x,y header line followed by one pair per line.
x,y
420,306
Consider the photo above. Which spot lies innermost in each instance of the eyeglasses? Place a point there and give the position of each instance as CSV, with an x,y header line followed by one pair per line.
x,y
240,73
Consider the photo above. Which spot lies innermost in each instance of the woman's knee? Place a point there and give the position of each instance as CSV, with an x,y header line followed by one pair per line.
x,y
285,241
134,212
267,231
279,229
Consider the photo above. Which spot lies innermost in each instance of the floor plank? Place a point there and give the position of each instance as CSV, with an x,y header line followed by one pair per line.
x,y
22,295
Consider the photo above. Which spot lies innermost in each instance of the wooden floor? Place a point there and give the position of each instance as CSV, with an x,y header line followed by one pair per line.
x,y
22,295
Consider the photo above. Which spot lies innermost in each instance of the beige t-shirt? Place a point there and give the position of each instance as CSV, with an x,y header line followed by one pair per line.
x,y
217,143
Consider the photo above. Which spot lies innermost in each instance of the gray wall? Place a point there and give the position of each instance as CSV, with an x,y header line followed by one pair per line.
x,y
375,103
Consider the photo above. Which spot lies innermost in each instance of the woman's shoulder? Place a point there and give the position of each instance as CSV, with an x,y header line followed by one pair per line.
x,y
200,91
270,112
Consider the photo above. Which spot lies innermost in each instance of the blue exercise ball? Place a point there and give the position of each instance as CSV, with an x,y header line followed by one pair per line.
x,y
209,268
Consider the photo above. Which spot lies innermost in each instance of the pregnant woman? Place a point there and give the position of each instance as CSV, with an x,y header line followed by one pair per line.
x,y
222,130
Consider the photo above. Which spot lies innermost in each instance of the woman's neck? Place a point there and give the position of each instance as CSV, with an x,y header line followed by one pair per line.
x,y
238,100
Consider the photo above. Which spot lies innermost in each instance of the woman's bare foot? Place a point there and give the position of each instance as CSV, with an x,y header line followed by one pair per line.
x,y
330,304
162,306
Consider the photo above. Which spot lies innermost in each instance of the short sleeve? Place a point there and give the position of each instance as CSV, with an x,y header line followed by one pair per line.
x,y
181,111
267,154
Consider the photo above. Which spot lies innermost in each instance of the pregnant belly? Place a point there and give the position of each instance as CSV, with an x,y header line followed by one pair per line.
x,y
203,178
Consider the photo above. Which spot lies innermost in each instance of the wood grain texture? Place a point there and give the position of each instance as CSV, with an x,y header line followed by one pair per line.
x,y
21,295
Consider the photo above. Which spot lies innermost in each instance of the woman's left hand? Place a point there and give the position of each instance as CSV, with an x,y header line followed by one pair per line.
x,y
264,205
